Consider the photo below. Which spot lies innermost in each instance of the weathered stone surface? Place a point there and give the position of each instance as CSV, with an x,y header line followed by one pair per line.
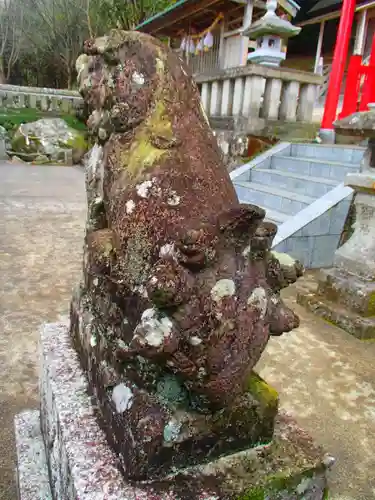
x,y
82,465
359,124
233,146
32,471
180,291
51,137
336,314
177,431
346,293
4,142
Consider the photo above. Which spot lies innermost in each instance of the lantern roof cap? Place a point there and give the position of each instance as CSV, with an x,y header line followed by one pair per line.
x,y
271,24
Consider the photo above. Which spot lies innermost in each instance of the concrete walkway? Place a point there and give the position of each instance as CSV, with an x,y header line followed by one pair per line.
x,y
42,210
326,380
325,377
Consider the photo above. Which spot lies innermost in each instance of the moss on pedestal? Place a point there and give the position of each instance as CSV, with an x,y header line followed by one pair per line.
x,y
371,305
256,493
285,486
267,396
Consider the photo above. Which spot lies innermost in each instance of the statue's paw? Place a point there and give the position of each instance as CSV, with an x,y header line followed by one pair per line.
x,y
196,249
169,284
263,237
291,268
281,318
154,335
282,270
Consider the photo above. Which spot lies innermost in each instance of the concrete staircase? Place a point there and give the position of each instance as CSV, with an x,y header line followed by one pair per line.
x,y
301,188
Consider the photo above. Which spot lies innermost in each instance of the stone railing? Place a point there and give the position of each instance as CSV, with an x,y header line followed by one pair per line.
x,y
248,97
45,99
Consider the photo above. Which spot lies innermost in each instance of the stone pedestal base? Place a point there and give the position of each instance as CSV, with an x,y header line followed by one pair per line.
x,y
346,293
345,300
32,471
80,464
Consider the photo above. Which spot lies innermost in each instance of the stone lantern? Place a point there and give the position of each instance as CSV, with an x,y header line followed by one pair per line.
x,y
269,32
346,293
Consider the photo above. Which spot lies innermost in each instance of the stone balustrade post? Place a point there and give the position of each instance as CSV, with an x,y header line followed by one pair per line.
x,y
256,92
66,105
205,96
55,104
227,98
289,101
238,95
44,103
215,100
246,97
9,100
21,100
306,102
271,100
32,101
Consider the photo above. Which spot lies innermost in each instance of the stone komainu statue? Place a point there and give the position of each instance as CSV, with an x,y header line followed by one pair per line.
x,y
180,291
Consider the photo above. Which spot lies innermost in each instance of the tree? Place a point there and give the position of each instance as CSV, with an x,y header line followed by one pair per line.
x,y
12,25
127,14
41,39
57,31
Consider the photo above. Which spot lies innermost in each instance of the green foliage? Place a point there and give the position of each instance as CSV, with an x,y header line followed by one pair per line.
x,y
11,119
129,13
50,34
40,40
256,493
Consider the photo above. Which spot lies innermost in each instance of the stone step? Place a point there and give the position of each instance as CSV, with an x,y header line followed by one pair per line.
x,y
339,315
272,215
313,167
269,197
325,152
348,290
315,187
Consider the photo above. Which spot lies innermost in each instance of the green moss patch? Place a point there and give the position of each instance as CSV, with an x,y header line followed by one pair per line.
x,y
263,392
256,493
371,305
282,486
143,153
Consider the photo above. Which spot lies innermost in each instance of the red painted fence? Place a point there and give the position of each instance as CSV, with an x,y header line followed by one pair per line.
x,y
360,85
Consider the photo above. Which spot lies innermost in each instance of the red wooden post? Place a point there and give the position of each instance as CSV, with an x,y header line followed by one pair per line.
x,y
338,65
368,86
352,87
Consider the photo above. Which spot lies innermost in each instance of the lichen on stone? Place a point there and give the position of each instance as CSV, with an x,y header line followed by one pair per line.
x,y
130,206
284,259
172,431
153,328
122,397
223,288
259,300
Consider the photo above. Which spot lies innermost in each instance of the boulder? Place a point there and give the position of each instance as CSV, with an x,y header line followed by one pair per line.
x,y
4,143
50,137
3,133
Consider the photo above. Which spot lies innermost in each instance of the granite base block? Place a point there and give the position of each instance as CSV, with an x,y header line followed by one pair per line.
x,y
82,465
32,471
344,300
